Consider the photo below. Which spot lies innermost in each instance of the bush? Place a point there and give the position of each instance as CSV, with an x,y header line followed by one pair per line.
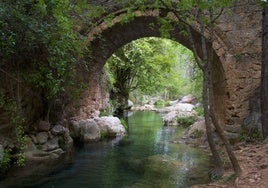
x,y
5,162
186,121
124,123
250,135
103,134
162,103
199,110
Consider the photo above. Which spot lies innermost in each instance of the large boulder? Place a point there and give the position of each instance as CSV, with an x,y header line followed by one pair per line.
x,y
66,141
58,130
51,144
197,130
177,111
253,122
130,104
74,129
170,119
111,126
185,108
188,99
42,137
89,130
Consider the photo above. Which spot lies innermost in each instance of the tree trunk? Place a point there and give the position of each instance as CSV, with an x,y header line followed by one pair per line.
x,y
264,92
217,160
121,102
215,122
206,101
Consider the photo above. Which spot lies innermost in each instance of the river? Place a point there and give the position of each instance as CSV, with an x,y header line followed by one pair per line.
x,y
147,157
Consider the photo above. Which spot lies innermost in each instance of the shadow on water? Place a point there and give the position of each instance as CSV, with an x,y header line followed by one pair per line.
x,y
144,158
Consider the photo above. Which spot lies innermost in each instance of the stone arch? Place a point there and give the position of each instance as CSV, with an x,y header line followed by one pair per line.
x,y
104,39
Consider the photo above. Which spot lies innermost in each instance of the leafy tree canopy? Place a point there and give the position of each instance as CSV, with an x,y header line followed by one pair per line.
x,y
153,66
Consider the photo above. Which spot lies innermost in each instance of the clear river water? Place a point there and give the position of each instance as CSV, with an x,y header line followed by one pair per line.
x,y
148,157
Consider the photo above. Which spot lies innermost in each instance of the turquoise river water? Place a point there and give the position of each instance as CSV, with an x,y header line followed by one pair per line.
x,y
147,157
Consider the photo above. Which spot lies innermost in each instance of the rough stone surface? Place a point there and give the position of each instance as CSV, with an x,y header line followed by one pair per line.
x,y
51,144
197,130
170,119
74,129
43,126
232,137
30,146
66,141
89,130
130,104
33,138
58,130
253,122
111,126
236,68
188,99
233,128
180,107
42,137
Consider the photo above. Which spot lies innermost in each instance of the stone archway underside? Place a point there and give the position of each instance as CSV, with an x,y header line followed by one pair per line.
x,y
236,66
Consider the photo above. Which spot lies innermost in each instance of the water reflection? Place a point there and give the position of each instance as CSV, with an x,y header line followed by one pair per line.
x,y
145,158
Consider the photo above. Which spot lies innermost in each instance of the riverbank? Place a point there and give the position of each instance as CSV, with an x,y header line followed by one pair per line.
x,y
253,160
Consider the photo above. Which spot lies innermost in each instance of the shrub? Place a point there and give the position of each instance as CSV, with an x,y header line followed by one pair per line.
x,y
186,121
162,103
199,110
249,135
124,123
5,162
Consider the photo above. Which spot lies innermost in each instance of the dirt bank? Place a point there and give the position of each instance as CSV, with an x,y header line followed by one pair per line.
x,y
253,159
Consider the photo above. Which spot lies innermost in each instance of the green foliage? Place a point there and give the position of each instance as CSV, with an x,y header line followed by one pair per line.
x,y
165,27
21,141
162,103
263,3
5,162
186,121
124,123
42,40
103,134
199,111
154,66
250,135
18,122
230,178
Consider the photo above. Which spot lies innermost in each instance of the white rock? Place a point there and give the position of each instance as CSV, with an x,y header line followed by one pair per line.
x,y
89,130
197,130
111,126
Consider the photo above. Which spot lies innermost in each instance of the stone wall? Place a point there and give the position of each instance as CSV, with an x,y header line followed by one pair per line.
x,y
237,51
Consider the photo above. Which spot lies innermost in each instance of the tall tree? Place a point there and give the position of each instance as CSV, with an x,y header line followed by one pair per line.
x,y
142,65
205,13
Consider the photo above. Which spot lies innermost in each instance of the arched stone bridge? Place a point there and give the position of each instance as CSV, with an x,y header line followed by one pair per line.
x,y
237,52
